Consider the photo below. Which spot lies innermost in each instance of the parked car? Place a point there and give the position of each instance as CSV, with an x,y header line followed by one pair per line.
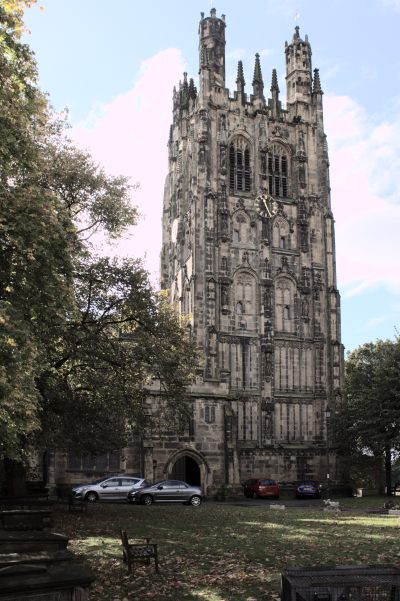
x,y
261,487
109,489
308,488
167,491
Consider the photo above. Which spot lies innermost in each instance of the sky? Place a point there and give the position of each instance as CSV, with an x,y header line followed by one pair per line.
x,y
114,64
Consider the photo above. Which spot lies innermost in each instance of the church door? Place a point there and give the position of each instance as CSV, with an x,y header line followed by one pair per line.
x,y
187,469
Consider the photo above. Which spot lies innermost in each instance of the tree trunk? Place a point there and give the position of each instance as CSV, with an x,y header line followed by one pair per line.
x,y
15,478
378,476
388,470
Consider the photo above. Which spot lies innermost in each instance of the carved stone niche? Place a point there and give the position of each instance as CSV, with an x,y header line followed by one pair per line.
x,y
203,126
223,223
225,300
267,301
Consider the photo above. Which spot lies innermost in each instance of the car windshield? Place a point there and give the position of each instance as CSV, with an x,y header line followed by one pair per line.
x,y
90,483
308,483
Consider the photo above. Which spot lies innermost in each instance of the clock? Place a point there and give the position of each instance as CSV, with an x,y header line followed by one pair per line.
x,y
266,206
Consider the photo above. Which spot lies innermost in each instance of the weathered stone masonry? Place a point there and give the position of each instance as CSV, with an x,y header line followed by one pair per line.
x,y
249,256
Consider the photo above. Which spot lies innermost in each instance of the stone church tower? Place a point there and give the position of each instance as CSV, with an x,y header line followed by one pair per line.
x,y
248,256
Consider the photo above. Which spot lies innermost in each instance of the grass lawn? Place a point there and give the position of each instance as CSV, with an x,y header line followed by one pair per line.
x,y
224,552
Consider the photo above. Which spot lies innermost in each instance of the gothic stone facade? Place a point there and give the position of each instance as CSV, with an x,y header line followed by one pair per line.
x,y
249,257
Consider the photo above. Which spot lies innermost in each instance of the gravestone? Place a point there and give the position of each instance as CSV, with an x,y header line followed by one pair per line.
x,y
45,583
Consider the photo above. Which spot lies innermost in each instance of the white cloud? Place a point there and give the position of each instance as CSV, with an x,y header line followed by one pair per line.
x,y
365,161
394,4
129,136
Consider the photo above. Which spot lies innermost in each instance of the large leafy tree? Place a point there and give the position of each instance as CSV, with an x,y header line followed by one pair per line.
x,y
35,257
123,338
369,416
81,337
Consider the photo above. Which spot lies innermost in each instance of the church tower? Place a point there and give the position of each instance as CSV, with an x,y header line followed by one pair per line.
x,y
248,257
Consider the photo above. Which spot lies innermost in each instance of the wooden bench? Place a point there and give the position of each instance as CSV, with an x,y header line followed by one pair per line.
x,y
138,553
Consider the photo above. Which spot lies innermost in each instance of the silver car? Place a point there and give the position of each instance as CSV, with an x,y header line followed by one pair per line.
x,y
108,489
167,491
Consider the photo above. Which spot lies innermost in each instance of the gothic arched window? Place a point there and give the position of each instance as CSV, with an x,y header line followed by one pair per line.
x,y
284,305
277,171
241,227
239,166
245,296
281,234
209,415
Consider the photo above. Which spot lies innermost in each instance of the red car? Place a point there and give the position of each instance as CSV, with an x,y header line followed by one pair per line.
x,y
261,487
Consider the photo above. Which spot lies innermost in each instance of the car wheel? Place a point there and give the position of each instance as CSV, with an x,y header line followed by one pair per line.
x,y
91,497
147,499
195,501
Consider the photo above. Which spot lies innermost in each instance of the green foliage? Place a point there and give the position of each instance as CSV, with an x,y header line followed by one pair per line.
x,y
35,252
95,201
81,338
368,422
122,337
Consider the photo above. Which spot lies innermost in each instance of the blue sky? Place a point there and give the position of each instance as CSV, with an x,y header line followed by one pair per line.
x,y
113,64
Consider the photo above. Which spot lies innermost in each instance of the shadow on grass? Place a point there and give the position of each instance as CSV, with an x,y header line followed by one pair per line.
x,y
222,553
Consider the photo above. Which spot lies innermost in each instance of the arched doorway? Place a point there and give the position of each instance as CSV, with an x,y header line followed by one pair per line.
x,y
187,469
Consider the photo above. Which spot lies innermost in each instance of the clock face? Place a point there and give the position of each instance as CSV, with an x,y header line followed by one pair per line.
x,y
266,206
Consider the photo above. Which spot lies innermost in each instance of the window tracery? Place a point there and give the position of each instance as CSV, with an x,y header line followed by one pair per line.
x,y
275,165
239,165
281,234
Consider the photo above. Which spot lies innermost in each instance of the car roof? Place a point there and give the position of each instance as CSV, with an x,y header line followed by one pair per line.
x,y
308,482
123,476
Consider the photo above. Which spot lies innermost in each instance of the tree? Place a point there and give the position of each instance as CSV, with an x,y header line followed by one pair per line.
x,y
35,253
81,337
369,416
123,337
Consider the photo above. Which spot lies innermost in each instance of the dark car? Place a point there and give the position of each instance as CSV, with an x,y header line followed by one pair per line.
x,y
167,491
261,487
308,488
